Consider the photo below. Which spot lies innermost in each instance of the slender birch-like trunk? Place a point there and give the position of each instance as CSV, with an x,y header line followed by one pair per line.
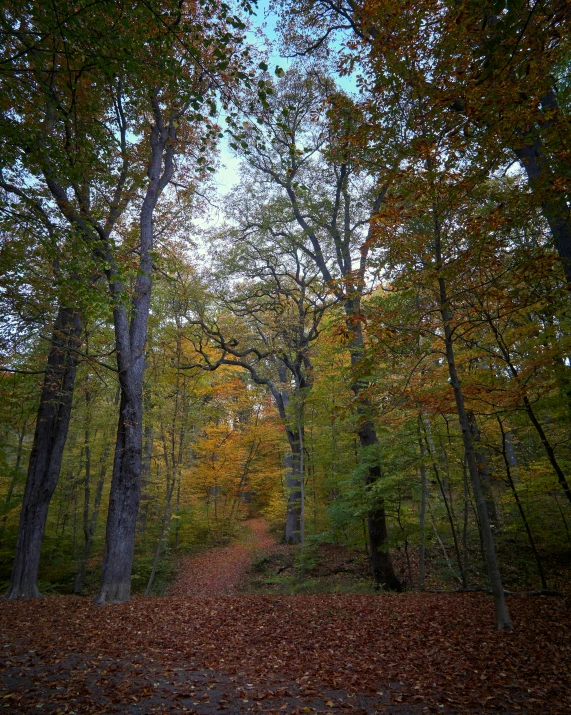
x,y
423,489
503,621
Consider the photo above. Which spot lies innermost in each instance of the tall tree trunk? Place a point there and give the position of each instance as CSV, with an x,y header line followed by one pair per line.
x,y
92,521
531,154
561,477
293,487
163,535
124,497
130,341
50,435
292,460
442,546
503,621
465,519
484,471
300,436
381,563
449,514
240,493
423,489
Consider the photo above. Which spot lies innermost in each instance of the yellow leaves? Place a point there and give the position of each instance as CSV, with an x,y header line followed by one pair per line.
x,y
237,457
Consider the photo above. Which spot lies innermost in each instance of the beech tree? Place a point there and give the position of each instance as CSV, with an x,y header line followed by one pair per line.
x,y
33,150
493,76
278,301
297,146
370,349
79,144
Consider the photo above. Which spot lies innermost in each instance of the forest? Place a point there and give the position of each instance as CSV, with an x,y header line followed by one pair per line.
x,y
285,292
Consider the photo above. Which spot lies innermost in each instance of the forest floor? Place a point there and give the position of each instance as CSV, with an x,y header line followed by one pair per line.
x,y
223,650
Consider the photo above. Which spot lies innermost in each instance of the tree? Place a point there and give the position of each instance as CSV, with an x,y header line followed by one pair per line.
x,y
89,146
297,146
493,76
278,300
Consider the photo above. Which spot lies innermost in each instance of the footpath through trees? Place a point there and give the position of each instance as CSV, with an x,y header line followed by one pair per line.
x,y
220,571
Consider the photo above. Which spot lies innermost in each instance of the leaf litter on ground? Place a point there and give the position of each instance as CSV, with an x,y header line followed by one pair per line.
x,y
429,652
219,651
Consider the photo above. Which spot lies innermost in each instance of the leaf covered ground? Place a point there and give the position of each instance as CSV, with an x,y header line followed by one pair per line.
x,y
408,653
220,651
221,570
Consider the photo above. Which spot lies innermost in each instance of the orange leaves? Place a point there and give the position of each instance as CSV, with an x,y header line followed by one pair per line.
x,y
236,463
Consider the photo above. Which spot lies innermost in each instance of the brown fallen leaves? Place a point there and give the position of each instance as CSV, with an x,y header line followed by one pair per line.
x,y
409,653
220,571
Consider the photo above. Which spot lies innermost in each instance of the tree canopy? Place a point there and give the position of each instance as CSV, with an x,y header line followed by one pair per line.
x,y
366,340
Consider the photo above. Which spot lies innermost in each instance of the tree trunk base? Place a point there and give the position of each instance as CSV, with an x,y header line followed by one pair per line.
x,y
113,593
23,593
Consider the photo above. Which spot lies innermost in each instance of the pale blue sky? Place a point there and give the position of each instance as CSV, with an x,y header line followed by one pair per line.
x,y
227,175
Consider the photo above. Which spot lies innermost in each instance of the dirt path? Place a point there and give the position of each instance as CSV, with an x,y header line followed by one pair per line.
x,y
219,571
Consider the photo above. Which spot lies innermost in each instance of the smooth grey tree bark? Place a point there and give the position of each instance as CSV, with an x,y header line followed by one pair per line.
x,y
130,341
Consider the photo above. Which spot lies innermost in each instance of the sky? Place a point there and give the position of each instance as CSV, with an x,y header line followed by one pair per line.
x,y
227,175
265,20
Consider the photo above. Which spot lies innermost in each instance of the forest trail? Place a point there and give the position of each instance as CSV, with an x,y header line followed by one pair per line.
x,y
220,571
